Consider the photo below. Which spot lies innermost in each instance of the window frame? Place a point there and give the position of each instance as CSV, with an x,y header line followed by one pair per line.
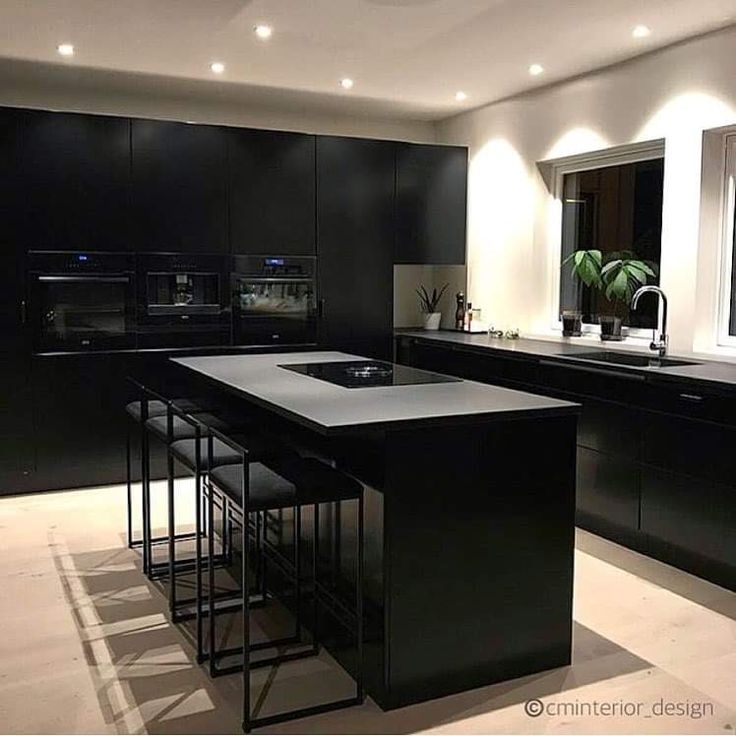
x,y
726,254
554,171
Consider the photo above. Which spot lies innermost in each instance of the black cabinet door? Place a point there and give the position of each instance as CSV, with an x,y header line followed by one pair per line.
x,y
694,517
75,181
272,188
355,230
431,203
607,492
179,187
16,441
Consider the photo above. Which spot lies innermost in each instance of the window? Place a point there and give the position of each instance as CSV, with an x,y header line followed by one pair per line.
x,y
615,208
727,331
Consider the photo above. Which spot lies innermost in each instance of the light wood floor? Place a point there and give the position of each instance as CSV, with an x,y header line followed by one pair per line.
x,y
85,646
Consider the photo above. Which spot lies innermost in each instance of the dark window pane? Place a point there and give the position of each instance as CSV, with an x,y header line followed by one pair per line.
x,y
612,209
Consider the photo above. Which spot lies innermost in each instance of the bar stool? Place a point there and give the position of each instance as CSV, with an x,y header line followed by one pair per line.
x,y
194,454
252,487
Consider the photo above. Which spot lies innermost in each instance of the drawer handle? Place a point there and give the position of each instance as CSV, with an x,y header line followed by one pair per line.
x,y
691,397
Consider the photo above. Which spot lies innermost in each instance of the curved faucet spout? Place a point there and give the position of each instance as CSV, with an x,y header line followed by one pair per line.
x,y
658,343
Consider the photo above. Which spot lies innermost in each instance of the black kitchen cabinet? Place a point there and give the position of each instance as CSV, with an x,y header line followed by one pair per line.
x,y
431,203
16,429
80,423
690,521
355,235
607,492
179,187
75,181
271,190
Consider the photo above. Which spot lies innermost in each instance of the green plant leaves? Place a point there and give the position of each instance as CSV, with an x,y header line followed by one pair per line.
x,y
619,277
586,265
429,303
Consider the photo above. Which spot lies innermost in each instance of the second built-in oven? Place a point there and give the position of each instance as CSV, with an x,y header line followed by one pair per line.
x,y
274,300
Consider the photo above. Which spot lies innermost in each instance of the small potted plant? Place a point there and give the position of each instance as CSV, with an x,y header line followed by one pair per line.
x,y
586,267
429,303
621,275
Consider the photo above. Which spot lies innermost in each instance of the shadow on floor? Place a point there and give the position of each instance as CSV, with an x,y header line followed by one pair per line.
x,y
147,678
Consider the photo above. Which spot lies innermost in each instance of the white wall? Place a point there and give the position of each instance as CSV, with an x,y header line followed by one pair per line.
x,y
53,87
674,94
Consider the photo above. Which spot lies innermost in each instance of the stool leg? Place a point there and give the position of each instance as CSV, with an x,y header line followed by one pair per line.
x,y
246,629
146,499
359,689
297,568
172,531
129,489
315,597
198,547
211,579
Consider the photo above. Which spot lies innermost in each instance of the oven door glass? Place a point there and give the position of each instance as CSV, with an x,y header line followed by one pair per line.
x,y
273,310
79,313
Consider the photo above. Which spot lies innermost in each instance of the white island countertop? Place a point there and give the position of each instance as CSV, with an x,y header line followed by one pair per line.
x,y
330,408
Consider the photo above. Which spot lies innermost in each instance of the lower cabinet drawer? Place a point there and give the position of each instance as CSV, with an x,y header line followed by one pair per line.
x,y
608,489
694,515
689,447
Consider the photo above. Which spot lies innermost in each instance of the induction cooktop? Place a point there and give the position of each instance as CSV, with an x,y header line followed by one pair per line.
x,y
367,373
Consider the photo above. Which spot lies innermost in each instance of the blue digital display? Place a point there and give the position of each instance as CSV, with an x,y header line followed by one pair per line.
x,y
82,258
274,262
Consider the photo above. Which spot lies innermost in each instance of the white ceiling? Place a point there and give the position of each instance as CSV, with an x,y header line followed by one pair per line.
x,y
408,56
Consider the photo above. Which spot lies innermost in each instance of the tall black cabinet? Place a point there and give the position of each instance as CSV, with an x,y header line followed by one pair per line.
x,y
431,193
75,181
16,429
179,187
355,236
271,192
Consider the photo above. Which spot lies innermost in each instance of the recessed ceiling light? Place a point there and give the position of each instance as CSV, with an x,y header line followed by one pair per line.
x,y
536,69
347,83
217,67
263,31
65,49
460,96
641,32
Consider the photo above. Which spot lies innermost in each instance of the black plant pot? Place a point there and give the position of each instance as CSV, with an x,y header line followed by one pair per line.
x,y
572,324
611,329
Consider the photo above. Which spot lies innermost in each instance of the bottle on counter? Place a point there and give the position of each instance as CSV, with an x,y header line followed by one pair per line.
x,y
460,311
469,317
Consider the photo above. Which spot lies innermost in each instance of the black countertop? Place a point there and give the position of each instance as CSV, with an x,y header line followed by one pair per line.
x,y
716,374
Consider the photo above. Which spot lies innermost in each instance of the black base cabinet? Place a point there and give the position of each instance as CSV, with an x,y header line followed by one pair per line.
x,y
655,466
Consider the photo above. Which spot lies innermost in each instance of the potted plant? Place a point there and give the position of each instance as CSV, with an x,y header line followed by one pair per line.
x,y
429,303
622,275
618,277
586,268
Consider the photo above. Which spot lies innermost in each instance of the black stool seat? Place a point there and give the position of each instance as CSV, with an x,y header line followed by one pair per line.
x,y
180,428
155,409
309,481
222,454
158,408
266,490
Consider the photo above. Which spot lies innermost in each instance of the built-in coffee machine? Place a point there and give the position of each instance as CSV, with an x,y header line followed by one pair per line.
x,y
182,300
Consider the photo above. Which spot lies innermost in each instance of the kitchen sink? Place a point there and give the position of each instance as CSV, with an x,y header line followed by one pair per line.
x,y
631,359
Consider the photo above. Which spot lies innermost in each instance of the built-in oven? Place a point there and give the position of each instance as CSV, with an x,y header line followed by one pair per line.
x,y
183,300
80,302
274,300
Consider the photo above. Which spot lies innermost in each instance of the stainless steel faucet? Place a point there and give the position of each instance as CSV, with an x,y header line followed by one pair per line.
x,y
658,343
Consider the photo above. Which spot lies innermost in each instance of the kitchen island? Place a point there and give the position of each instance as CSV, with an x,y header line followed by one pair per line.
x,y
469,510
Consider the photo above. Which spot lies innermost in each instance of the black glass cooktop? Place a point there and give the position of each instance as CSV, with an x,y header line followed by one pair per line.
x,y
367,373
